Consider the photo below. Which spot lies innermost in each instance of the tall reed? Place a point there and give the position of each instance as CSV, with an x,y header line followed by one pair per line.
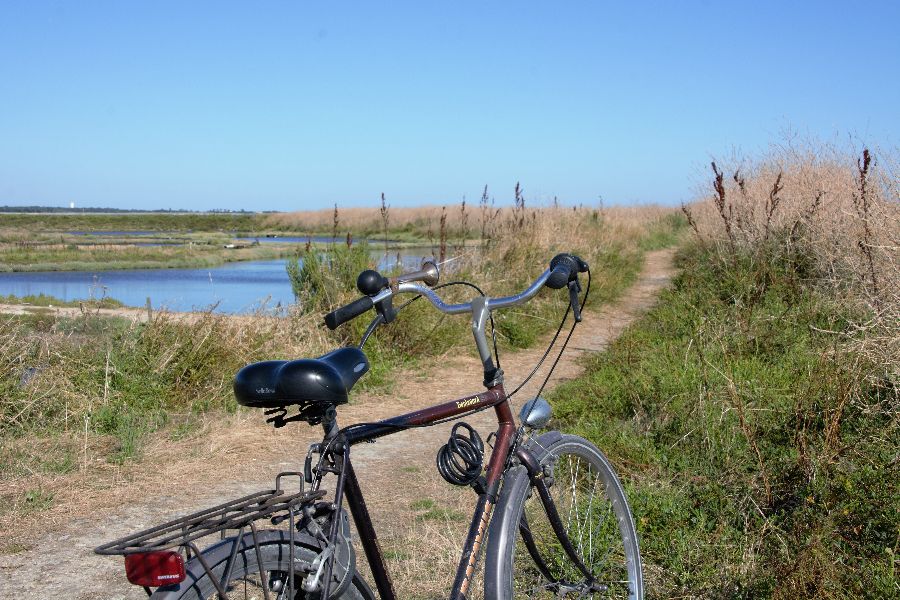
x,y
833,216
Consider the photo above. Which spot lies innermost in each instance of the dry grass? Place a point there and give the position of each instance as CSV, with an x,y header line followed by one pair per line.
x,y
79,396
835,213
105,394
486,221
360,218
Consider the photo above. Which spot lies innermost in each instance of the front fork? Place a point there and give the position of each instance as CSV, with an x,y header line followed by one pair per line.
x,y
537,477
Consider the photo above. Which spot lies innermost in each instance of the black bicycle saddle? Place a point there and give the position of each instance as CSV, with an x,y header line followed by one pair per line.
x,y
309,382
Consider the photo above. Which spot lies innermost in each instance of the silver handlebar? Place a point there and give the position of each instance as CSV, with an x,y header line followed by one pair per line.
x,y
489,303
480,308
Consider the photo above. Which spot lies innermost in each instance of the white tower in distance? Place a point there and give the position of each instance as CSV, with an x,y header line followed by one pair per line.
x,y
71,205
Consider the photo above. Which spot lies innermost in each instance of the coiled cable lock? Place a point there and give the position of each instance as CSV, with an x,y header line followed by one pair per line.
x,y
459,461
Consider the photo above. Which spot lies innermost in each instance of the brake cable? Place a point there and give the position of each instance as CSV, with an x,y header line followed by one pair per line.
x,y
587,291
540,362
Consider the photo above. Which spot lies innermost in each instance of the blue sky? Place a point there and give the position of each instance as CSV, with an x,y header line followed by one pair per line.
x,y
290,105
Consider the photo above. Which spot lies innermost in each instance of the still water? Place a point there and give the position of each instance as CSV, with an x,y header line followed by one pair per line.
x,y
234,288
263,239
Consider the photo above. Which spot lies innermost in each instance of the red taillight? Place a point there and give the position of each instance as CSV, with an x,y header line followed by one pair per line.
x,y
153,569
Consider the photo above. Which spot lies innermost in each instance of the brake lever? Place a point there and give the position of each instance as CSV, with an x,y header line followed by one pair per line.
x,y
385,308
574,290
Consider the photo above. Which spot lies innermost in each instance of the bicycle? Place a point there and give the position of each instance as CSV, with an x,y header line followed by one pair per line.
x,y
551,516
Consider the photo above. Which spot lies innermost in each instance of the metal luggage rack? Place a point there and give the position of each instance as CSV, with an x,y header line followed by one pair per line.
x,y
235,514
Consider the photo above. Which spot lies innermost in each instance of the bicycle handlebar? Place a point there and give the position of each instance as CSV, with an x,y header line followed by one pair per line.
x,y
564,269
345,313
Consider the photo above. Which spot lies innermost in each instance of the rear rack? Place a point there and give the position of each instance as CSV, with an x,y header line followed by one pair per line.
x,y
235,514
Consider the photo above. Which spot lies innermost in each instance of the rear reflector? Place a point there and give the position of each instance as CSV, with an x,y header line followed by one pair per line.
x,y
153,569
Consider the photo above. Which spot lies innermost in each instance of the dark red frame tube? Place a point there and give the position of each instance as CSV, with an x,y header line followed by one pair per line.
x,y
426,416
496,397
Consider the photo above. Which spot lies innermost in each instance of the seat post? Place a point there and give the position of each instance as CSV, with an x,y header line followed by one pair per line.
x,y
329,423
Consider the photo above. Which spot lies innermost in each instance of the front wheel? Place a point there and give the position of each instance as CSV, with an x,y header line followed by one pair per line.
x,y
524,557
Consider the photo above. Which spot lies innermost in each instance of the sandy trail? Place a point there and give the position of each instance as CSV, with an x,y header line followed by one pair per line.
x,y
140,315
243,455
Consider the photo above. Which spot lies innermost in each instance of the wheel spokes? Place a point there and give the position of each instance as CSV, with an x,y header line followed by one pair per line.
x,y
580,494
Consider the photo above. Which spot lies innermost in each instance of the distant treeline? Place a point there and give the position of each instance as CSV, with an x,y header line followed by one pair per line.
x,y
62,209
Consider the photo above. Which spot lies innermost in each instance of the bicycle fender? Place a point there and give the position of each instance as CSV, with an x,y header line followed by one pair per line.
x,y
502,527
214,555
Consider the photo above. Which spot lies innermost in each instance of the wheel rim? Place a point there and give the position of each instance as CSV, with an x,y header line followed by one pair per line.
x,y
588,509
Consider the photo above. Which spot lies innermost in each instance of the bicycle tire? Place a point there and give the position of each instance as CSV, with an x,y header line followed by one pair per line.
x,y
274,547
609,549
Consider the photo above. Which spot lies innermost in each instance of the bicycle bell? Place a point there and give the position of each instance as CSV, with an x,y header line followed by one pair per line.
x,y
429,274
536,413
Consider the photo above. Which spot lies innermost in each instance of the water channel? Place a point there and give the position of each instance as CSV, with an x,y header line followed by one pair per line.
x,y
234,288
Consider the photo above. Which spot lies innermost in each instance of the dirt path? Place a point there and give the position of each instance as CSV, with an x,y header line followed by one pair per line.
x,y
420,528
140,315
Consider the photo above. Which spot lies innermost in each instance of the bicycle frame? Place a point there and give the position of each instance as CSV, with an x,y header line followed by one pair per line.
x,y
348,484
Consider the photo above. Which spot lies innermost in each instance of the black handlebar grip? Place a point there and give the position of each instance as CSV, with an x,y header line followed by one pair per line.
x,y
350,311
582,264
558,278
564,268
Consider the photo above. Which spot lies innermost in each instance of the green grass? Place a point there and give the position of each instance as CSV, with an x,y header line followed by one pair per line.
x,y
665,234
430,510
106,258
56,458
47,301
36,500
760,459
133,222
13,548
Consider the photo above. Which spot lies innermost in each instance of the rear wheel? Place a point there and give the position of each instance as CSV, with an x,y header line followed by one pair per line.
x,y
594,513
248,577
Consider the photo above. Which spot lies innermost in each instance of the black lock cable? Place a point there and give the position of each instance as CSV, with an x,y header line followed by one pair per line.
x,y
460,460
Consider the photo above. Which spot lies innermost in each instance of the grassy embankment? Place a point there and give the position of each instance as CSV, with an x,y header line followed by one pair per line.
x,y
754,413
45,301
48,242
79,395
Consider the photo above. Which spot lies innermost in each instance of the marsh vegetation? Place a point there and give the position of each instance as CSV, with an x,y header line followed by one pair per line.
x,y
754,412
80,394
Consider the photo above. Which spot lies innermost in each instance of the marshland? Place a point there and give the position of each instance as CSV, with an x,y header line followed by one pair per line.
x,y
752,413
187,188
